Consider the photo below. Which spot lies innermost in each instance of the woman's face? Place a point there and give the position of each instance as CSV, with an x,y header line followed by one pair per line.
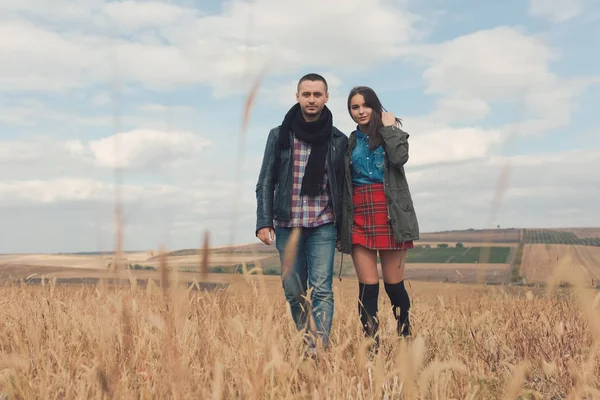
x,y
361,113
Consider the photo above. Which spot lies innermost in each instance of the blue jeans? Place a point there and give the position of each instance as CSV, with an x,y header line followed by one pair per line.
x,y
313,267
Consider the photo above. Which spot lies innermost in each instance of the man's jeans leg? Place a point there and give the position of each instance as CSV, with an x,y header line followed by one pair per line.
x,y
294,285
319,247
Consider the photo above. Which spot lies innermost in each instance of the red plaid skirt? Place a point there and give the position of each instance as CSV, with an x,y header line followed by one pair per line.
x,y
371,226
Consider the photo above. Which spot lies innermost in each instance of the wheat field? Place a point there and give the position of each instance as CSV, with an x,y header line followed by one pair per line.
x,y
169,341
541,260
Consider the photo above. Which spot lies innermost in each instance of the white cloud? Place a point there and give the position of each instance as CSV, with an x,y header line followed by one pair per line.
x,y
434,143
51,191
161,108
492,64
540,187
456,108
498,66
75,147
41,158
144,148
17,119
32,113
222,50
63,10
13,150
36,115
37,151
32,58
556,10
131,16
77,214
100,99
193,197
138,152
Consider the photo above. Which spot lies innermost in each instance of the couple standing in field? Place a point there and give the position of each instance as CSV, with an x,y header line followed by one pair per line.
x,y
339,192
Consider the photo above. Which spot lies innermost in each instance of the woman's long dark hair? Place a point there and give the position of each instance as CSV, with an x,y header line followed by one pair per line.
x,y
375,122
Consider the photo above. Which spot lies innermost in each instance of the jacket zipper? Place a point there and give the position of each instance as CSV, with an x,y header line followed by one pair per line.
x,y
331,181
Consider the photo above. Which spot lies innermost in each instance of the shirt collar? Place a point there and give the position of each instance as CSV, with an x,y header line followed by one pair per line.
x,y
361,135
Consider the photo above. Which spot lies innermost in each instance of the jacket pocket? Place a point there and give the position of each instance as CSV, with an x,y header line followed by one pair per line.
x,y
402,198
410,227
404,221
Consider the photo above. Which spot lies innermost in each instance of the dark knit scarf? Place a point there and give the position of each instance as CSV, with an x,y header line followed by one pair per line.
x,y
316,133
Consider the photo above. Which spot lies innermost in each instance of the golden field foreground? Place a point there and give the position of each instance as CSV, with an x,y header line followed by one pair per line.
x,y
471,342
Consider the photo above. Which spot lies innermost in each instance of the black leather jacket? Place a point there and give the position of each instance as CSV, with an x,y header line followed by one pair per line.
x,y
274,193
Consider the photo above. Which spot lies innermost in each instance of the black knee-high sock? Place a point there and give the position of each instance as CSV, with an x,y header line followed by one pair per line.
x,y
400,300
367,307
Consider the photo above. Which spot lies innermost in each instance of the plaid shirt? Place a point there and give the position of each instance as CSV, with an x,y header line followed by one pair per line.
x,y
307,212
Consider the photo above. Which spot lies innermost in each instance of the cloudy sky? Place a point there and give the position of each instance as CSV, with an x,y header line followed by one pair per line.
x,y
498,98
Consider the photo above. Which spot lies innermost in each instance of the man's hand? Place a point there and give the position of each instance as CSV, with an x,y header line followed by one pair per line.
x,y
388,119
266,235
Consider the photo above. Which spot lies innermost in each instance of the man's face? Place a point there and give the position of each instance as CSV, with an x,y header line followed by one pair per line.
x,y
312,97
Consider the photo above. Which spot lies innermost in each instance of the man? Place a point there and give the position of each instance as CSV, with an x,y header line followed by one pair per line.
x,y
300,189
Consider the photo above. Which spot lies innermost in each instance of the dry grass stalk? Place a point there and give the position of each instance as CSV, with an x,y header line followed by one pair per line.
x,y
290,252
119,257
104,383
515,382
127,330
164,273
204,256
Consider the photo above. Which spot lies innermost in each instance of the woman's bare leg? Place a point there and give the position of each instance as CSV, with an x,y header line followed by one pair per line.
x,y
393,263
365,264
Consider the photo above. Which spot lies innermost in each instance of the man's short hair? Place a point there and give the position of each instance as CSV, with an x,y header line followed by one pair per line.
x,y
313,77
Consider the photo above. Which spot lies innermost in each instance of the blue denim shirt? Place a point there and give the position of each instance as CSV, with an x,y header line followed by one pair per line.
x,y
367,164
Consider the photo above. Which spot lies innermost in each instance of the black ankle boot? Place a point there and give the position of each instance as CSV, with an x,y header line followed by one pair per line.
x,y
400,306
370,326
404,324
367,308
371,330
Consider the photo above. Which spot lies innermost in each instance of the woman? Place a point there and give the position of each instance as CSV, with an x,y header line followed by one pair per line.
x,y
378,210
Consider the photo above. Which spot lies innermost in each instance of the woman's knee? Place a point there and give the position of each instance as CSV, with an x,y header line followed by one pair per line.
x,y
393,264
365,264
